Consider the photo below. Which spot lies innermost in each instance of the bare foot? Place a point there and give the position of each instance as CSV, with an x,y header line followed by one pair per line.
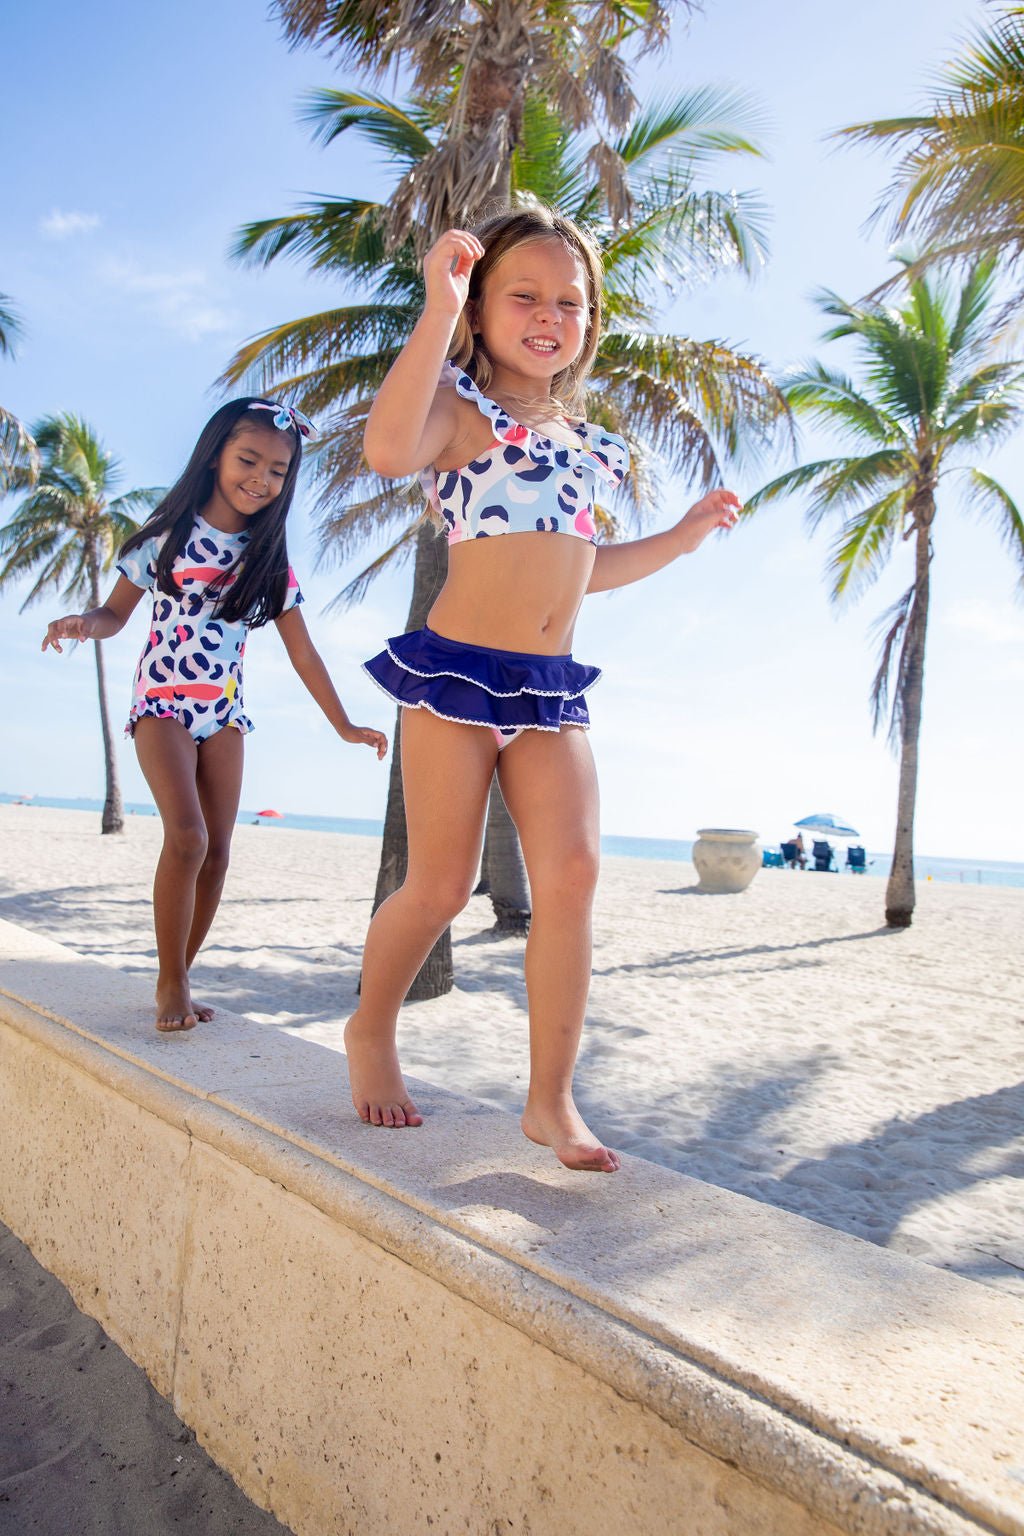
x,y
378,1091
174,1010
203,1012
561,1127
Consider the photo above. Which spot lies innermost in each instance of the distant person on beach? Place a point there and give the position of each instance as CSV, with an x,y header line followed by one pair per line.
x,y
794,852
484,401
214,554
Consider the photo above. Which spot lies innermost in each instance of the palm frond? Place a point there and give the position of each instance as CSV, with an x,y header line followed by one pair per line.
x,y
864,543
403,135
683,395
959,182
333,235
993,501
67,524
975,325
390,559
19,453
316,345
829,397
694,127
10,325
891,626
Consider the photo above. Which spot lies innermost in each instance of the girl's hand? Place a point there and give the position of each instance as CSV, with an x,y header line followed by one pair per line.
x,y
74,626
718,509
366,736
446,270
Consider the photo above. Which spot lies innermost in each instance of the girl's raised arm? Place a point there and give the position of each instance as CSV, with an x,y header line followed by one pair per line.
x,y
411,422
97,623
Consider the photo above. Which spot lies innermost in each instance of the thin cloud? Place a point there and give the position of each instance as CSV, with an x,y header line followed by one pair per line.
x,y
59,225
180,300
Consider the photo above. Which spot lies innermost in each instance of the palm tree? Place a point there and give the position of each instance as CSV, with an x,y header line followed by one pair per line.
x,y
66,533
484,60
671,397
19,460
958,189
936,392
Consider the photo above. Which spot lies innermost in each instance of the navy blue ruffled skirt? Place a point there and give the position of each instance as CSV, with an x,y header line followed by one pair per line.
x,y
509,691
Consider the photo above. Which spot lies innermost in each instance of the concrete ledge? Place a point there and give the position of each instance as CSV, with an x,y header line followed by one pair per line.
x,y
443,1328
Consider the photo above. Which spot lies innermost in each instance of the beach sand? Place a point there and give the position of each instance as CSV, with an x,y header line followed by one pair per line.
x,y
89,1448
781,1043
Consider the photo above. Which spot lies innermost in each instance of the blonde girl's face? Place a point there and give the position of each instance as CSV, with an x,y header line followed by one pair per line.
x,y
533,313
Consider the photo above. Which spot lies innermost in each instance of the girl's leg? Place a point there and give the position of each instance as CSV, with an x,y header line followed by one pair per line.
x,y
219,786
446,773
550,788
168,757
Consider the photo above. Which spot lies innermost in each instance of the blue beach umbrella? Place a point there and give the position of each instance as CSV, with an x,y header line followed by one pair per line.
x,y
827,825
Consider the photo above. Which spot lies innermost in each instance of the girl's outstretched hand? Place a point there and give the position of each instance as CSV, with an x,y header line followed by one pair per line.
x,y
73,626
718,509
446,270
366,736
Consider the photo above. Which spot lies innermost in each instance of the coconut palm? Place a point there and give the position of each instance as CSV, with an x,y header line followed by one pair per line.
x,y
484,60
19,460
958,189
936,393
65,534
671,397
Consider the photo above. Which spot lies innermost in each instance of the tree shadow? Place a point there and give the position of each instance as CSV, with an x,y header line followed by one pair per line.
x,y
685,957
866,1186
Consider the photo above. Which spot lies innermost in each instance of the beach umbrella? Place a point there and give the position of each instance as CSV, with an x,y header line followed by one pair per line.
x,y
827,825
279,815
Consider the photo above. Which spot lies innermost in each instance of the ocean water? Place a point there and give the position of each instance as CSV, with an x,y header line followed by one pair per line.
x,y
964,871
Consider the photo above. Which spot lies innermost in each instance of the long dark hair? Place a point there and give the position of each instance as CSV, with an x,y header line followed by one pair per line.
x,y
258,593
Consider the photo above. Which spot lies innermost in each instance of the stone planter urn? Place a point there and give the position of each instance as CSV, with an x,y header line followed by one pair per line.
x,y
726,859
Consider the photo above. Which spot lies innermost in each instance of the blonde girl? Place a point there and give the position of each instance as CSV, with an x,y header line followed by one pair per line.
x,y
484,401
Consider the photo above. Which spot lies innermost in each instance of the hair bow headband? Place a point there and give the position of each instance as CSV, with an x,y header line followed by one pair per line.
x,y
286,416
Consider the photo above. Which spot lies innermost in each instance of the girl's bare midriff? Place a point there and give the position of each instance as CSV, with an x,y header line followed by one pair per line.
x,y
513,591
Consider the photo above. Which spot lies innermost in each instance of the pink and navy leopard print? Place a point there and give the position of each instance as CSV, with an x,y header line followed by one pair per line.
x,y
525,482
191,667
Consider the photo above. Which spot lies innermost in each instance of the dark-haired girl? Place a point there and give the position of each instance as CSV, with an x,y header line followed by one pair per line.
x,y
215,555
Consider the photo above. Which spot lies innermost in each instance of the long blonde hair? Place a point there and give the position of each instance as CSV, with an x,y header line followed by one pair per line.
x,y
500,234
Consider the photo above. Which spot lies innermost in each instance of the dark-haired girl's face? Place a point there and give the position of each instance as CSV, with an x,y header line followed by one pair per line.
x,y
248,474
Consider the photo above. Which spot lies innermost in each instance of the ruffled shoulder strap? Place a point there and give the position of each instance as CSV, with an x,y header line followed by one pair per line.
x,y
607,452
603,452
505,429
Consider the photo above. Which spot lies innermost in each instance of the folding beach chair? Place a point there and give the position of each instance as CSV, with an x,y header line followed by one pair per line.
x,y
856,861
824,858
772,860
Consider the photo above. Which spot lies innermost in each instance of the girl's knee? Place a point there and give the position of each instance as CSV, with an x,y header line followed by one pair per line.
x,y
218,856
442,898
186,842
571,879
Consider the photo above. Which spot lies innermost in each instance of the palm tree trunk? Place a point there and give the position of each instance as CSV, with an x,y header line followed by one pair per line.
x,y
899,893
436,976
113,807
503,870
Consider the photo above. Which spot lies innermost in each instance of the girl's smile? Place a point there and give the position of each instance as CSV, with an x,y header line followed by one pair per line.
x,y
249,473
533,314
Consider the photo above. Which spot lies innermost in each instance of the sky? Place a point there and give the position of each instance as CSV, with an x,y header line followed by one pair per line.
x,y
734,692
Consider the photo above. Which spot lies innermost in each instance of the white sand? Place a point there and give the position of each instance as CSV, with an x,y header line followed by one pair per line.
x,y
781,1043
